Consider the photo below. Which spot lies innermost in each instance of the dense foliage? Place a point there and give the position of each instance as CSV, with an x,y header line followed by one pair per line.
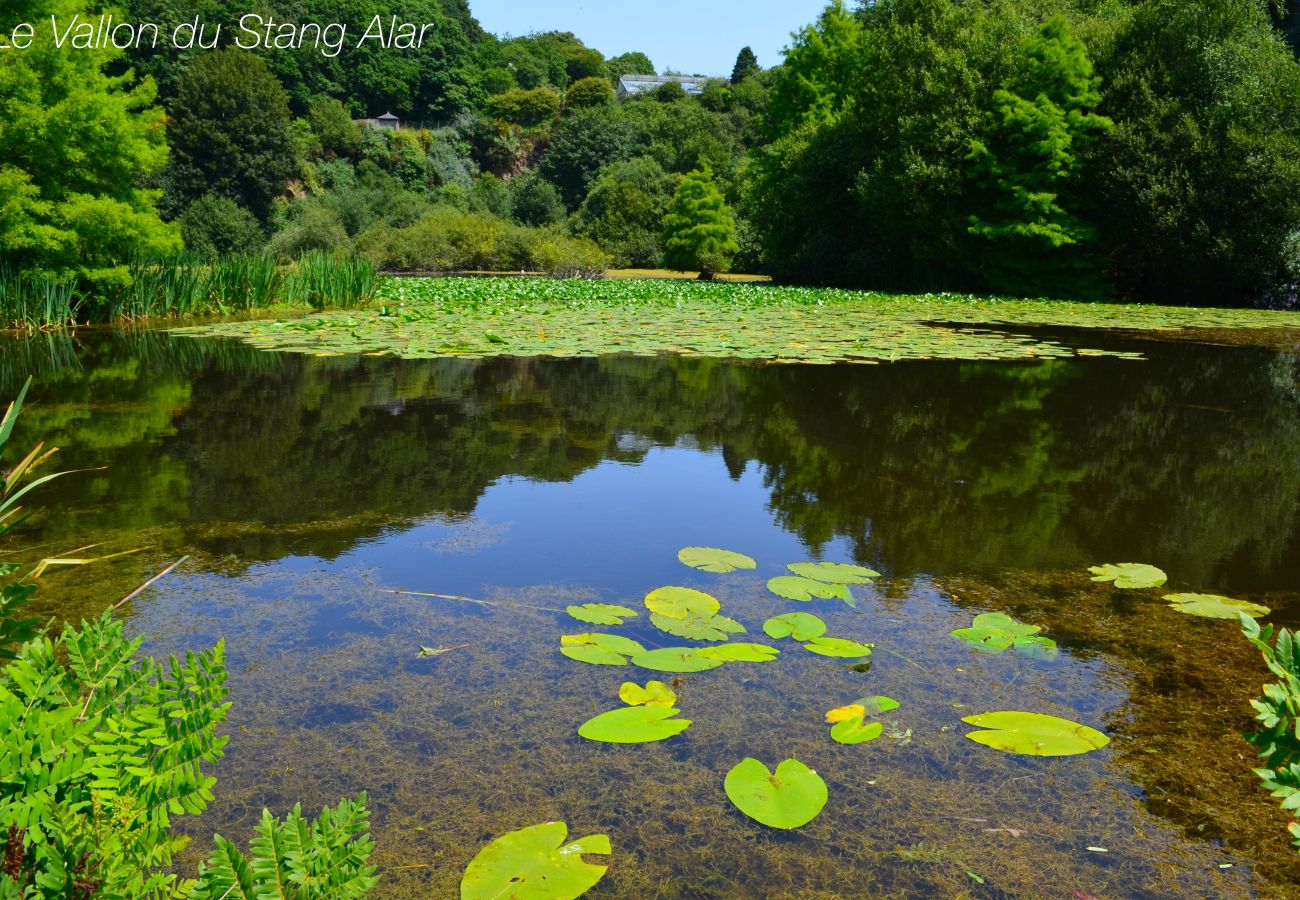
x,y
1278,713
699,230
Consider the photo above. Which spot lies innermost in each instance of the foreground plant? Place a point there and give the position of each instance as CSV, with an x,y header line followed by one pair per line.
x,y
1278,712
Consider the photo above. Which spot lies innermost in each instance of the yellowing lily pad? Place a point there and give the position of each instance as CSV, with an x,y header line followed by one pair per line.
x,y
867,706
655,693
837,647
796,587
709,559
1034,734
800,626
534,863
675,659
741,652
834,573
1212,606
634,725
1130,576
790,797
599,649
680,602
698,628
600,613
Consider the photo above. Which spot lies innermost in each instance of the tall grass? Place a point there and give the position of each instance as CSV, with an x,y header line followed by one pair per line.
x,y
187,286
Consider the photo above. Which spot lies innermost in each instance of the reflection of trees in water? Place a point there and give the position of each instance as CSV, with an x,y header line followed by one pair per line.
x,y
1188,458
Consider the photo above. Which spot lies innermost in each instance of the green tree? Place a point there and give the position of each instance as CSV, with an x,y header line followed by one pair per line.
x,y
535,201
76,144
229,130
624,211
588,92
820,70
746,66
218,226
333,126
581,146
527,108
699,229
633,63
1028,169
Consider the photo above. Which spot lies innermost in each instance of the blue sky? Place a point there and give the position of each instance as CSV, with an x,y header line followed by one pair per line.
x,y
689,35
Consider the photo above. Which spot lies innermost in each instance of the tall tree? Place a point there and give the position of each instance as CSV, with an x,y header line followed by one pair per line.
x,y
699,229
820,70
230,133
746,65
75,146
1028,168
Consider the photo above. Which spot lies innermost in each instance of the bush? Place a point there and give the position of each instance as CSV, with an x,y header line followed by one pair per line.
x,y
214,225
318,228
528,108
535,201
587,93
334,128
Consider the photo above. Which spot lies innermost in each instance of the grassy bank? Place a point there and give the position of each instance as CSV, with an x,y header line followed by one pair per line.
x,y
187,286
475,317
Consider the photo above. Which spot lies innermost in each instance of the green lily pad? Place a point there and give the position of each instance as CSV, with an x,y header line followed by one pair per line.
x,y
1130,576
698,628
534,863
856,731
599,649
996,632
800,626
680,602
741,652
1212,606
838,647
675,659
834,573
709,559
634,725
1034,734
600,613
796,587
655,693
790,797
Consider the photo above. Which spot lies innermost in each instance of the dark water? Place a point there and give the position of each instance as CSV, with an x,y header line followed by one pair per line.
x,y
304,487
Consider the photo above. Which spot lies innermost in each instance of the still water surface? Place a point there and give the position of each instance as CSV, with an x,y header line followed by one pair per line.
x,y
304,488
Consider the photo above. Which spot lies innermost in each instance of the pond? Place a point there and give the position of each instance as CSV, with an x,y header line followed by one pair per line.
x,y
306,490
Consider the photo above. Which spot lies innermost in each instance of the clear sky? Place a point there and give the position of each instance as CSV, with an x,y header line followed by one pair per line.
x,y
691,36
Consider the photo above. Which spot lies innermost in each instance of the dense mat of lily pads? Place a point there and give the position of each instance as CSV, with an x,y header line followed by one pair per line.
x,y
473,317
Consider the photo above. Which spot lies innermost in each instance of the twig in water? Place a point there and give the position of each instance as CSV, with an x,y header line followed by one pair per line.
x,y
148,584
469,600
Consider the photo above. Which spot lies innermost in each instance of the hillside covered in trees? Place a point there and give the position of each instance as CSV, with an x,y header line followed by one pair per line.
x,y
1133,149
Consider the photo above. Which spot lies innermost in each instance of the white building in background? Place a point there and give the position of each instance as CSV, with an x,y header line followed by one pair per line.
x,y
630,85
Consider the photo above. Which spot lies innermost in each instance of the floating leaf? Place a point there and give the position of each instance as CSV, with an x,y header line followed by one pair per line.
x,y
680,602
599,649
1212,606
837,647
600,613
1034,734
634,725
655,693
741,652
834,573
795,587
1129,575
675,659
867,706
532,863
698,628
996,632
800,626
427,652
856,731
709,559
791,796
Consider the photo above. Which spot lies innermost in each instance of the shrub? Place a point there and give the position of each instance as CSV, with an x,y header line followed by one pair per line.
x,y
318,228
528,108
334,128
1278,712
535,201
587,93
214,225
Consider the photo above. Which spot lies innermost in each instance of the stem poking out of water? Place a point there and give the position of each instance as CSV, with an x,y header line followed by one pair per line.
x,y
469,600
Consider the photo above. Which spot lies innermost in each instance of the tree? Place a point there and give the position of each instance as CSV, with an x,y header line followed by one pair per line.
x,y
588,92
699,229
624,212
230,135
75,147
216,226
746,66
528,108
821,68
333,126
633,63
581,146
535,201
1028,169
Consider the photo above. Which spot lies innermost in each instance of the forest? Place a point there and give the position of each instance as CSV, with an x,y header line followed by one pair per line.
x,y
1134,150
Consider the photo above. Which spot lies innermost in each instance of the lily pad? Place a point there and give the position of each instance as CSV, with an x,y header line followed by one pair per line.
x,y
856,731
599,649
634,725
996,632
790,797
837,647
675,659
600,613
867,706
796,587
741,652
709,559
655,693
834,573
1034,734
1212,606
1130,576
680,602
800,626
698,628
533,862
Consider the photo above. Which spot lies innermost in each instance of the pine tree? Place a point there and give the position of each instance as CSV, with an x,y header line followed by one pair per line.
x,y
746,66
699,229
1027,172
